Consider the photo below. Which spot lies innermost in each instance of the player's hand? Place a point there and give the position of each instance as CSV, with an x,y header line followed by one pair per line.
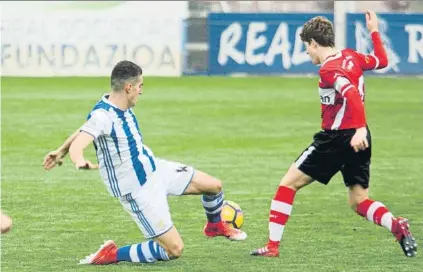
x,y
5,222
372,21
85,165
359,140
53,158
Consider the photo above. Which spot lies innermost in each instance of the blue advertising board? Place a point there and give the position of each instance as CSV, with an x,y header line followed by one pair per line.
x,y
402,35
258,43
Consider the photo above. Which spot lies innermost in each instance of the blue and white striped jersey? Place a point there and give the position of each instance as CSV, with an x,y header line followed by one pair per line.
x,y
125,162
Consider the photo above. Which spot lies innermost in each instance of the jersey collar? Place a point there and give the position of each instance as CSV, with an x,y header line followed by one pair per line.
x,y
332,57
106,100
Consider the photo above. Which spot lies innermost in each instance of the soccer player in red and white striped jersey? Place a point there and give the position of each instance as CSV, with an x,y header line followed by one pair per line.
x,y
344,143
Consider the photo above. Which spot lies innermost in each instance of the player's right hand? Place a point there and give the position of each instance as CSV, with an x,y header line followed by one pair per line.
x,y
359,140
52,159
372,21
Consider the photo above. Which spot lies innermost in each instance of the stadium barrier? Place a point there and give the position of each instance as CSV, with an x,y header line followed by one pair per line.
x,y
265,44
56,38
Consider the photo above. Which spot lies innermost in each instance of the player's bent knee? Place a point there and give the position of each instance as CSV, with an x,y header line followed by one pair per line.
x,y
171,241
175,250
217,186
212,185
203,183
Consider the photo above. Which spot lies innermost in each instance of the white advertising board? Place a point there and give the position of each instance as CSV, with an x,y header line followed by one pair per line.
x,y
86,38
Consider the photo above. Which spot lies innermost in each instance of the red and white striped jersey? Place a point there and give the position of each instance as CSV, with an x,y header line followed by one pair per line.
x,y
341,86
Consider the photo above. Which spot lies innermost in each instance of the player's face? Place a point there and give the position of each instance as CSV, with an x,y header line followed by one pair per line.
x,y
311,49
135,91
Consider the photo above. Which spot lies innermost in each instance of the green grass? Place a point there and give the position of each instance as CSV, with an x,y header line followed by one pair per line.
x,y
245,131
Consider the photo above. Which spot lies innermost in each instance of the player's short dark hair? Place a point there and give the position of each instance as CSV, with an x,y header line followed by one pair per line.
x,y
319,29
124,71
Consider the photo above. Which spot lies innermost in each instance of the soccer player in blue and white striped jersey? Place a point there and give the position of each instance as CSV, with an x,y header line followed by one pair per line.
x,y
140,180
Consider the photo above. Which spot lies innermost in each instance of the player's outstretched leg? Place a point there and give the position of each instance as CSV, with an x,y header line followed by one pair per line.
x,y
215,226
212,201
280,210
109,253
377,213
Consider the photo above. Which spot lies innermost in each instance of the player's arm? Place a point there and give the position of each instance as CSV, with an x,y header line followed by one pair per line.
x,y
377,61
97,125
350,92
76,150
343,86
55,157
380,59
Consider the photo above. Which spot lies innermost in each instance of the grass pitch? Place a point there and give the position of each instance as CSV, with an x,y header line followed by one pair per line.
x,y
245,131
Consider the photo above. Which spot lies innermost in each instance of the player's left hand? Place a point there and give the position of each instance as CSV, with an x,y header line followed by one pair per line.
x,y
53,158
359,140
371,21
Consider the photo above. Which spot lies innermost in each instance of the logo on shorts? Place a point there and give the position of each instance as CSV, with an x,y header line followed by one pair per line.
x,y
182,169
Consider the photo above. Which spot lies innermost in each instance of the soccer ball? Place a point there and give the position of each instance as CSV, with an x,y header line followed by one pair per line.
x,y
232,214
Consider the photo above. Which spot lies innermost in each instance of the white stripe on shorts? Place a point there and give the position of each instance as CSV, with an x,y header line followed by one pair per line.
x,y
304,156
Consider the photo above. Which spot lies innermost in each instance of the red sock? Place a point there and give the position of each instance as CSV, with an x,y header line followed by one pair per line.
x,y
280,211
375,212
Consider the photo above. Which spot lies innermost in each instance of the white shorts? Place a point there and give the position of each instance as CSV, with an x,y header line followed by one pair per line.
x,y
148,206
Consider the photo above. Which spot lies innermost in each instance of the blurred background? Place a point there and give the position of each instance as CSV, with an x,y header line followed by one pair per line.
x,y
351,29
195,37
301,6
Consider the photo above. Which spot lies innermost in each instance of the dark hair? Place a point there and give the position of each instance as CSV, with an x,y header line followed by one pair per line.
x,y
319,29
124,72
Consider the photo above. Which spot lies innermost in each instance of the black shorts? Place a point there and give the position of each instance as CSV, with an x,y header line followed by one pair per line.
x,y
331,152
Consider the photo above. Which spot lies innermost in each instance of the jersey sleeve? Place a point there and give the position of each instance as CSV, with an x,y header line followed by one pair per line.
x,y
328,76
342,85
98,123
377,61
336,78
